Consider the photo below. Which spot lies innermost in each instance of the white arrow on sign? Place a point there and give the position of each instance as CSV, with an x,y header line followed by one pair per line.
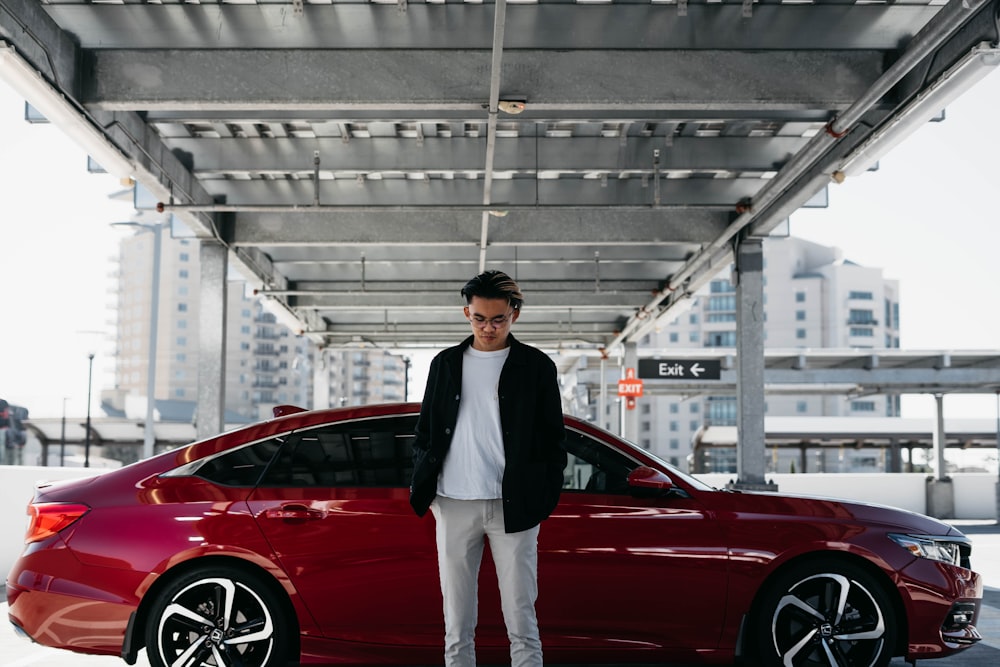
x,y
696,369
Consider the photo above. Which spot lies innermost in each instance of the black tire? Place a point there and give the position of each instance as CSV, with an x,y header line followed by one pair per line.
x,y
833,614
217,617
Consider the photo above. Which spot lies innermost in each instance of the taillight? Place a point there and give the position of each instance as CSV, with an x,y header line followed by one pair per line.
x,y
47,519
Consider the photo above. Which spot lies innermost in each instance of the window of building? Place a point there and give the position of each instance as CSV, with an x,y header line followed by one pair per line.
x,y
800,315
645,426
695,408
182,341
722,410
692,336
184,257
860,296
863,406
182,307
721,303
860,316
675,443
721,339
800,297
722,287
801,407
693,425
721,317
182,324
800,334
674,427
183,273
674,408
693,318
673,337
863,332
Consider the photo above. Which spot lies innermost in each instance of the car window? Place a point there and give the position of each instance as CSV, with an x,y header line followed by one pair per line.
x,y
372,452
240,467
594,467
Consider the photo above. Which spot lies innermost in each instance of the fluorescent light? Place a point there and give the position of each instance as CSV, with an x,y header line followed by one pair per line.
x,y
283,314
59,111
980,61
676,310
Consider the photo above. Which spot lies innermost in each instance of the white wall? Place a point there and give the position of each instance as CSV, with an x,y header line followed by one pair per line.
x,y
975,495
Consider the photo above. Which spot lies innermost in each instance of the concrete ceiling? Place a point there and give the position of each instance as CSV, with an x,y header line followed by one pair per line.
x,y
362,160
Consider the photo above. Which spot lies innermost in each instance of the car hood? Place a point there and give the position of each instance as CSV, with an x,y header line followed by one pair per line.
x,y
872,514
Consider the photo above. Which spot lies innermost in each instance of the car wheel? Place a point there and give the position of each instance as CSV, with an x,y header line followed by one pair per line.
x,y
830,614
217,617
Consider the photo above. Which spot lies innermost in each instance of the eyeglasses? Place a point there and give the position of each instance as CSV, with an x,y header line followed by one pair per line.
x,y
480,322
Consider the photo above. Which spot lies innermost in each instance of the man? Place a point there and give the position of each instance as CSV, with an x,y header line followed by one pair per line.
x,y
488,461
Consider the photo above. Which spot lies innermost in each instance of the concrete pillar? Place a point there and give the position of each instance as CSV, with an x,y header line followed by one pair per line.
x,y
750,454
211,340
321,380
940,440
940,491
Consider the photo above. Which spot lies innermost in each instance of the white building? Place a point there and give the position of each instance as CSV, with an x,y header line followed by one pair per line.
x,y
813,298
266,363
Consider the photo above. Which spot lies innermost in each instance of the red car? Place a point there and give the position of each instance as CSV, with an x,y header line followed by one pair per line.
x,y
293,539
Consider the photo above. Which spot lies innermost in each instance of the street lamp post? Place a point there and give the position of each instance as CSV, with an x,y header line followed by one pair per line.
x,y
149,431
86,436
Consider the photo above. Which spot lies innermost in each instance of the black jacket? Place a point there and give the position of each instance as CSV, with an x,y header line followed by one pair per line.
x,y
532,422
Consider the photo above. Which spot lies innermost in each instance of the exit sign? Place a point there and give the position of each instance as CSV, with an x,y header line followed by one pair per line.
x,y
680,369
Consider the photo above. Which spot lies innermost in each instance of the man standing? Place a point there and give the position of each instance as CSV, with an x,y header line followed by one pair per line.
x,y
488,462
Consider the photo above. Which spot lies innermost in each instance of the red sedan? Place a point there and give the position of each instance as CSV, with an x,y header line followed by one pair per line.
x,y
293,539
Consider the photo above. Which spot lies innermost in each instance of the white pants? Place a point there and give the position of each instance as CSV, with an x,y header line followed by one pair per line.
x,y
461,527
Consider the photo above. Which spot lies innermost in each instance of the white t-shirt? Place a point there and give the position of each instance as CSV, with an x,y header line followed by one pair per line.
x,y
473,468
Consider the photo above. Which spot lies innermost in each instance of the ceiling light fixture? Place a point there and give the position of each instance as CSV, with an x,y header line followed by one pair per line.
x,y
58,110
512,107
980,61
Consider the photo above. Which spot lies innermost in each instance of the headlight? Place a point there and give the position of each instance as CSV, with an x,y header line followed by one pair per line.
x,y
939,548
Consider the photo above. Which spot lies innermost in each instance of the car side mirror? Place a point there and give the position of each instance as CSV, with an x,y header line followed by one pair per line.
x,y
645,477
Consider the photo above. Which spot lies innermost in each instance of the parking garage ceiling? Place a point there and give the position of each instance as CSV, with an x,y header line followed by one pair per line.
x,y
362,160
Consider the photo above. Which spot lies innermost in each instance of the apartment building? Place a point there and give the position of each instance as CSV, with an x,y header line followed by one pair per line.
x,y
813,298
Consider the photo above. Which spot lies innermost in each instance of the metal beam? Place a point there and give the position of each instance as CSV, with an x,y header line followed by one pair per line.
x,y
458,80
526,154
563,228
463,26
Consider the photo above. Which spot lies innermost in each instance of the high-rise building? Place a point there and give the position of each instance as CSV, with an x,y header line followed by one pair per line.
x,y
364,376
813,298
266,363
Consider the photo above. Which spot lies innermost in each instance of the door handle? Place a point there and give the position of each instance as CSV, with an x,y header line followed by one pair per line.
x,y
293,512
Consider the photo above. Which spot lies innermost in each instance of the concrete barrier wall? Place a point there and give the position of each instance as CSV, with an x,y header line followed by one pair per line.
x,y
975,495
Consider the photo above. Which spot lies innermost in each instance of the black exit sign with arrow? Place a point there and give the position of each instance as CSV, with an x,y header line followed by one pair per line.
x,y
680,369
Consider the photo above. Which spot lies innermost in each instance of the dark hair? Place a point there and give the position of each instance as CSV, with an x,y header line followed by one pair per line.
x,y
494,285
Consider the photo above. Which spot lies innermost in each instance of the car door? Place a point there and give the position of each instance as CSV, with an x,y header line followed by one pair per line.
x,y
335,509
615,568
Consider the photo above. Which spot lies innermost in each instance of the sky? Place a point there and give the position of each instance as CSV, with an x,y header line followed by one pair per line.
x,y
927,217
